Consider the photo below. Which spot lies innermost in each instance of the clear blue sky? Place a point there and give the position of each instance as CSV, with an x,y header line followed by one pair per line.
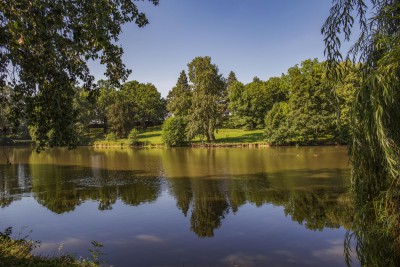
x,y
260,38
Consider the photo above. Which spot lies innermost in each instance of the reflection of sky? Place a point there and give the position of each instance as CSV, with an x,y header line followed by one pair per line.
x,y
159,234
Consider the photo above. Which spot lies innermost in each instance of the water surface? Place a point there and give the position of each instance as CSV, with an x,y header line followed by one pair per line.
x,y
183,207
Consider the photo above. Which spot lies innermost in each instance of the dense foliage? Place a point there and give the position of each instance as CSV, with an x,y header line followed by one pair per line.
x,y
309,113
44,50
316,110
249,103
375,146
300,107
134,105
208,91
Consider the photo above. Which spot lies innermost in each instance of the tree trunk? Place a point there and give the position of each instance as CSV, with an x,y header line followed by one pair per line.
x,y
208,137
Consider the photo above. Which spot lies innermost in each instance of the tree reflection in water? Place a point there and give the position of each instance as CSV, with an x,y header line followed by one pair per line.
x,y
375,244
306,196
208,200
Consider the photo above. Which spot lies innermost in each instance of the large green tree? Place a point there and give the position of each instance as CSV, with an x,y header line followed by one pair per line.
x,y
148,108
308,107
135,104
44,49
309,112
208,91
311,103
255,103
375,146
249,103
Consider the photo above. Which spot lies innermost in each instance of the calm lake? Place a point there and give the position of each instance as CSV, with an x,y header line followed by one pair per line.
x,y
182,207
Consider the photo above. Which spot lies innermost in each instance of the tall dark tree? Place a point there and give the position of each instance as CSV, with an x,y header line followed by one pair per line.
x,y
231,79
45,46
119,116
208,86
179,98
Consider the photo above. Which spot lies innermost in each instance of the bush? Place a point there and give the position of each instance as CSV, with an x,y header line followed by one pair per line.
x,y
174,131
133,137
111,136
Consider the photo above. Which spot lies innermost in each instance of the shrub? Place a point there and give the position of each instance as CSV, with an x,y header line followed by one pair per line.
x,y
133,137
174,131
111,136
17,252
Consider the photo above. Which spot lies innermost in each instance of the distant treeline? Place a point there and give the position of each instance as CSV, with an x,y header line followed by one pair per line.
x,y
301,107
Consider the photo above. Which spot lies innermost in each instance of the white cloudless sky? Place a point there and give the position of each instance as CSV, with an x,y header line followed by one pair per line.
x,y
260,38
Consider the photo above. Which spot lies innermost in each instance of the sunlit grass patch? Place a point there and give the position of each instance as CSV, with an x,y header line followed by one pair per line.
x,y
152,137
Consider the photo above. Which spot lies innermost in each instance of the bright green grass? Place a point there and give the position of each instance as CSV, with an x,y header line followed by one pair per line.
x,y
223,136
152,137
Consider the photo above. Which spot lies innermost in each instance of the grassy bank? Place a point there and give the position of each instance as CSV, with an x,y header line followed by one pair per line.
x,y
17,252
151,137
224,137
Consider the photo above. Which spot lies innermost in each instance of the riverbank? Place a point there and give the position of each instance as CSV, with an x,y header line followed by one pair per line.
x,y
152,138
18,252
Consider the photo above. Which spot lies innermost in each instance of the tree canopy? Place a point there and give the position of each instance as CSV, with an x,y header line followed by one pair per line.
x,y
208,91
308,107
135,104
44,50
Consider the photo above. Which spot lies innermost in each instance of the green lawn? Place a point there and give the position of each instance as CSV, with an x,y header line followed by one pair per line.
x,y
239,136
152,137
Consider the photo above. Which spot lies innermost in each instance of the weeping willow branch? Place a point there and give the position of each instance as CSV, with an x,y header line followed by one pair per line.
x,y
375,147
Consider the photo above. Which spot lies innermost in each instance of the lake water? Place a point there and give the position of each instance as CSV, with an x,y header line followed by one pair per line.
x,y
182,207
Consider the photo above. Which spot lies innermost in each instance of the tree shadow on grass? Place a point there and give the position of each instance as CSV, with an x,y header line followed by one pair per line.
x,y
150,135
246,138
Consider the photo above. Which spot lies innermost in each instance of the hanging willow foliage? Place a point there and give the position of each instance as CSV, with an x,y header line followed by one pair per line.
x,y
375,148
